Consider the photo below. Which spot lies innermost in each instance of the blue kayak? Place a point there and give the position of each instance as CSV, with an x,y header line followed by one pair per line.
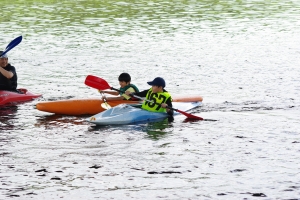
x,y
128,114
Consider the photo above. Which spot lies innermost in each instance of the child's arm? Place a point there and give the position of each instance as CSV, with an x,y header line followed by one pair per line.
x,y
140,94
111,92
168,104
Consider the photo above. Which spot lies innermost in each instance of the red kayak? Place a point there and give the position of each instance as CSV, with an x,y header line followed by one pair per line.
x,y
9,97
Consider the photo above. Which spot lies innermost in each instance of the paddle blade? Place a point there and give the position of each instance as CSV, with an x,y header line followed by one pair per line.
x,y
96,82
12,44
106,106
190,116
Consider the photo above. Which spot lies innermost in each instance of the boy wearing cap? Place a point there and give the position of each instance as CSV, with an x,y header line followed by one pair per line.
x,y
125,85
158,96
8,74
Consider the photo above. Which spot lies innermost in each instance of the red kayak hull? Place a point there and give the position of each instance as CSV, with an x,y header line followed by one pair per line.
x,y
91,106
8,97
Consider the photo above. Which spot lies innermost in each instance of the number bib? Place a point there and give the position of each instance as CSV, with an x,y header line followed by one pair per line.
x,y
156,98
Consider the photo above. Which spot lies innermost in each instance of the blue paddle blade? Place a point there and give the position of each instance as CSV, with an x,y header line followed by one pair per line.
x,y
12,44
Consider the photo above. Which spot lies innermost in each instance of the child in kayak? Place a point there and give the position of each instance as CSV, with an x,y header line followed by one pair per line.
x,y
125,85
158,98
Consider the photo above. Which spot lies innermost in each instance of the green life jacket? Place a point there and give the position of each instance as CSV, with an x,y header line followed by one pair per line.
x,y
123,90
156,98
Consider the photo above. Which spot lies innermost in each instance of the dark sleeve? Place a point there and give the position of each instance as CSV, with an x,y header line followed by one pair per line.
x,y
142,93
14,79
12,69
171,112
169,102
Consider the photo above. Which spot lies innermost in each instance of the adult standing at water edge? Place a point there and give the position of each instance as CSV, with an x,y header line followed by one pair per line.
x,y
8,74
158,98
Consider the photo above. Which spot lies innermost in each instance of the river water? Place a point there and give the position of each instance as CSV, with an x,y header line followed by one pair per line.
x,y
242,57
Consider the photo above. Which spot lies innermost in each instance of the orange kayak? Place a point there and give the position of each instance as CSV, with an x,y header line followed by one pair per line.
x,y
92,106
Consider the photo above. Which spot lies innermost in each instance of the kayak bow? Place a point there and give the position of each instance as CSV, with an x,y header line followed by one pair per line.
x,y
9,97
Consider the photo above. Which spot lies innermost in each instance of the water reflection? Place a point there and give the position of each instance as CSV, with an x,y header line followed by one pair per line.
x,y
158,130
154,130
8,110
7,114
56,121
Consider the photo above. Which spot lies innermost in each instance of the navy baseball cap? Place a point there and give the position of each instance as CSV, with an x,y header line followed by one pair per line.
x,y
158,81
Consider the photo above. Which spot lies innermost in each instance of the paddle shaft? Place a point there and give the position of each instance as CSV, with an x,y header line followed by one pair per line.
x,y
104,99
180,111
138,97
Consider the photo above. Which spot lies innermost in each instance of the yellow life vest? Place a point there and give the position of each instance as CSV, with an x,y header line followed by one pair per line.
x,y
157,99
